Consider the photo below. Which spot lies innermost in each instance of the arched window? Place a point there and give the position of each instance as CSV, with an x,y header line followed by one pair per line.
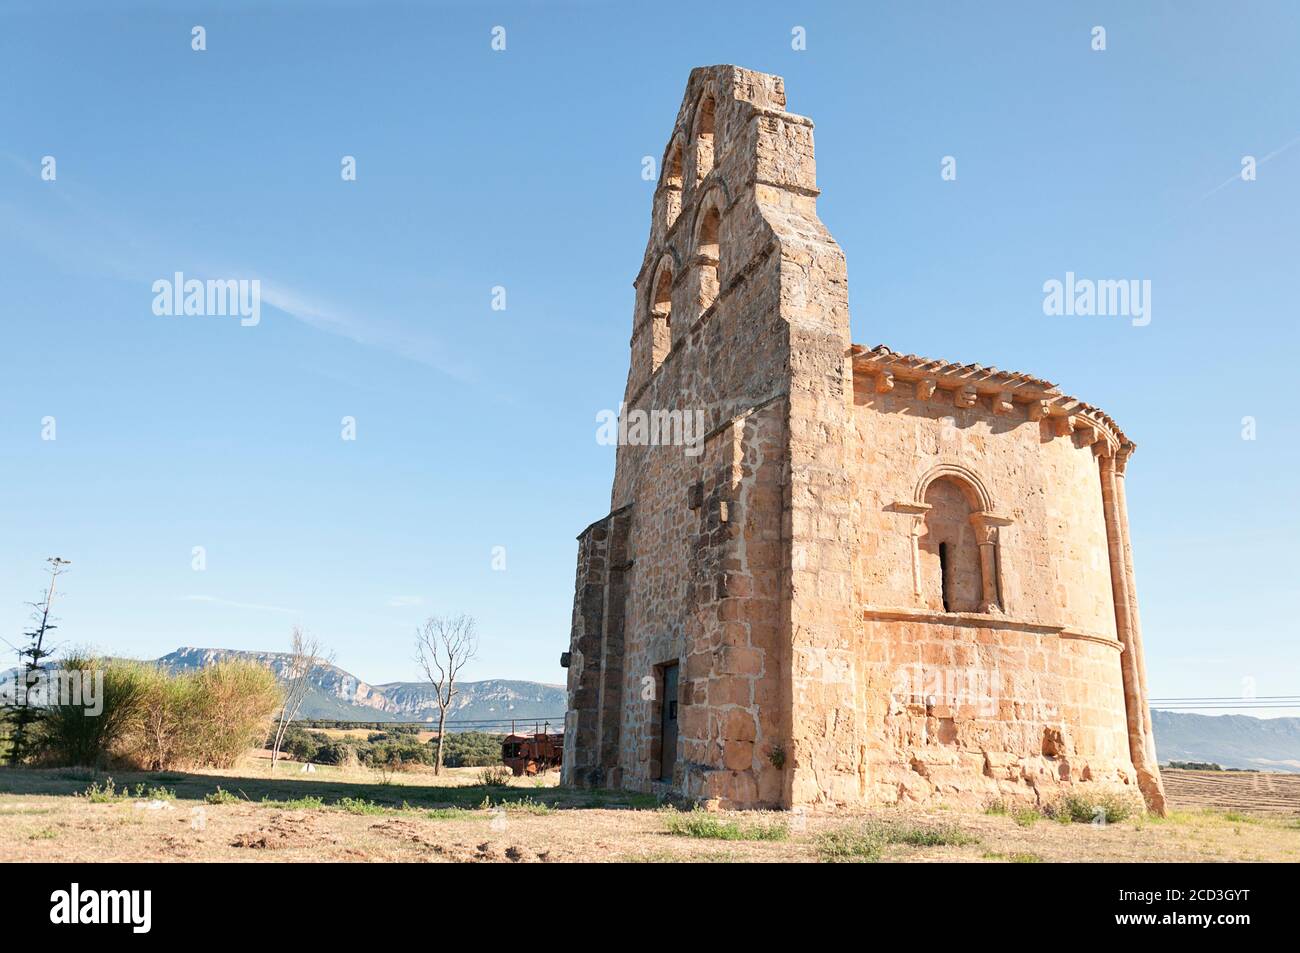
x,y
951,577
673,167
661,308
704,137
672,181
706,255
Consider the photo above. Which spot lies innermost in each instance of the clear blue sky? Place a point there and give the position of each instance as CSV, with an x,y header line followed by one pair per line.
x,y
523,169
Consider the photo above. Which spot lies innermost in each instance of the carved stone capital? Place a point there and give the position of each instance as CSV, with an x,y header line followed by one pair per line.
x,y
1122,457
986,526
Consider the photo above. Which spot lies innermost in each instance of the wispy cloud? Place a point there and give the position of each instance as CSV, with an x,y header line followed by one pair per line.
x,y
86,240
368,331
214,600
398,602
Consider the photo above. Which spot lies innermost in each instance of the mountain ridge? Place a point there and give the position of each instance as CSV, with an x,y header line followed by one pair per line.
x,y
335,693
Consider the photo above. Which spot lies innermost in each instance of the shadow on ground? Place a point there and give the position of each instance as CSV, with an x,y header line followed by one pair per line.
x,y
192,786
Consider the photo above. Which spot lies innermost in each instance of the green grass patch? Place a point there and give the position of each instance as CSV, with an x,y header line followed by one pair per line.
x,y
941,835
1016,857
108,792
308,803
704,825
448,814
866,843
105,793
353,805
848,847
221,796
525,805
667,857
1027,817
1238,817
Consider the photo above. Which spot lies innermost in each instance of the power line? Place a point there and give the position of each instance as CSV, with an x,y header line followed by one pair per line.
x,y
1229,698
1226,707
368,723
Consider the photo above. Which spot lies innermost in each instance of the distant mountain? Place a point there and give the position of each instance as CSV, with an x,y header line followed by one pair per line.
x,y
1233,741
337,694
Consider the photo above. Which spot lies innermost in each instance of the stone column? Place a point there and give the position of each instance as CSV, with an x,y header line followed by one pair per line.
x,y
1148,774
917,511
986,534
1135,618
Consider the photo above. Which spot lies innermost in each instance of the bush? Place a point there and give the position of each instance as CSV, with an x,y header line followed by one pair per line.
x,y
399,754
153,720
72,734
162,736
469,749
1110,806
336,752
494,777
5,729
230,709
302,745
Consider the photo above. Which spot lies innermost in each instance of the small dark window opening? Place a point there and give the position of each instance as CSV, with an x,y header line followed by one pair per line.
x,y
668,723
945,571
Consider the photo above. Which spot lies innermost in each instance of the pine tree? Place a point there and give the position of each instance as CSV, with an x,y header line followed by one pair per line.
x,y
32,662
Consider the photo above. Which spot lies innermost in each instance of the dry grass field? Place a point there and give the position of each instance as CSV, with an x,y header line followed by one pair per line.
x,y
1244,792
362,734
356,815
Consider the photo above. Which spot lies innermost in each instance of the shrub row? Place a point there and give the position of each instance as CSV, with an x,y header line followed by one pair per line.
x,y
154,720
396,748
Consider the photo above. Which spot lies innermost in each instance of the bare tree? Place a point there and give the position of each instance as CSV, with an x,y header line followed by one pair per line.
x,y
442,648
32,657
304,656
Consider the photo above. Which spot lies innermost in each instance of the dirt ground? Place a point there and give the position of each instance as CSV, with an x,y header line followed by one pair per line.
x,y
355,815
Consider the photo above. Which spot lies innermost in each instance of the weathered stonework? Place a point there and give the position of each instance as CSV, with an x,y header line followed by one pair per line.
x,y
879,578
